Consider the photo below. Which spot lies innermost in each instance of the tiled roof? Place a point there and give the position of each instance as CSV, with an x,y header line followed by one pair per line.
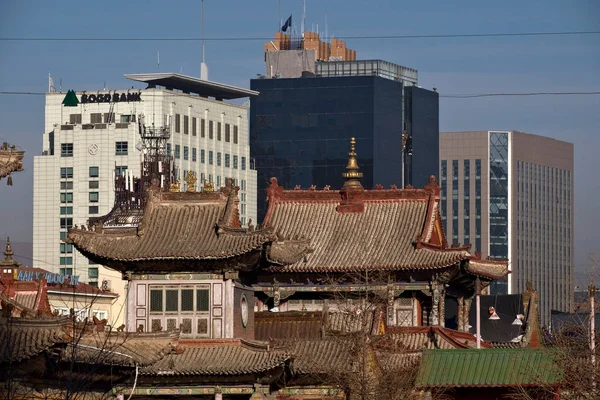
x,y
488,368
11,160
26,299
383,236
425,337
175,226
317,356
487,268
119,349
218,357
25,338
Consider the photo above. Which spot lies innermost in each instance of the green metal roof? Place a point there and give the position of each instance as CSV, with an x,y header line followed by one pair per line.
x,y
488,367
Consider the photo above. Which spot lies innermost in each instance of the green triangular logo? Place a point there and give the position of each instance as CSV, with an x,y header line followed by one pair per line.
x,y
70,99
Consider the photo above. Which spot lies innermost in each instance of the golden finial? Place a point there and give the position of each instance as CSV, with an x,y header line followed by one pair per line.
x,y
209,187
191,179
174,187
8,253
352,175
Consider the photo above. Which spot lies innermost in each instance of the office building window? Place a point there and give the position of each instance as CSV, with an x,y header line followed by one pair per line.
x,y
121,148
93,273
66,248
218,181
96,118
93,210
66,223
210,129
93,184
227,160
94,197
177,151
444,188
66,210
121,170
94,172
186,153
193,154
67,261
66,197
66,185
126,118
210,157
235,162
218,131
499,194
235,134
243,163
202,127
66,150
218,159
227,133
75,118
194,122
177,123
186,125
202,156
66,173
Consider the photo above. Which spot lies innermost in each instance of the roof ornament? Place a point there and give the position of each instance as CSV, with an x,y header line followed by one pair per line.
x,y
209,187
352,175
191,179
174,187
8,253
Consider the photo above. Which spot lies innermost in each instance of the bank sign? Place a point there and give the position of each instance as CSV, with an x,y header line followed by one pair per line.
x,y
111,97
48,276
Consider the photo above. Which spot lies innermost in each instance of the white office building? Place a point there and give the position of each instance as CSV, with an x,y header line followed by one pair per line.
x,y
91,136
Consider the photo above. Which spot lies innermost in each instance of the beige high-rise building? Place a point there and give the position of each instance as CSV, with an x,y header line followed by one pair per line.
x,y
510,195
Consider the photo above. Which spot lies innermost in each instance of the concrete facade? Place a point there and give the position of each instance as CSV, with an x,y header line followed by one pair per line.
x,y
510,195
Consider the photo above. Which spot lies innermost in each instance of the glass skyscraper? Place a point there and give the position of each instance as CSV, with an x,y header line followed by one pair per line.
x,y
522,208
300,127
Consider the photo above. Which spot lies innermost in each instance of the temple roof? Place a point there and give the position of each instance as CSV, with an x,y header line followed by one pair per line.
x,y
11,160
395,230
174,226
218,357
25,338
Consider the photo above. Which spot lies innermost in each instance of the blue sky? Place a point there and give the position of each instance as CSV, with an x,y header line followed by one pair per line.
x,y
452,65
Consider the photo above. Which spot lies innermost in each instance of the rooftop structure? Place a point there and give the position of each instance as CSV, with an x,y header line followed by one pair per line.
x,y
11,160
192,85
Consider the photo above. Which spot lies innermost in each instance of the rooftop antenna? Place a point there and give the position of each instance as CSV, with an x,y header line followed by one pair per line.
x,y
51,88
158,60
303,17
203,66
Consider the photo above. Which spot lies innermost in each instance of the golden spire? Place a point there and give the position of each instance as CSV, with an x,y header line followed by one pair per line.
x,y
352,175
8,253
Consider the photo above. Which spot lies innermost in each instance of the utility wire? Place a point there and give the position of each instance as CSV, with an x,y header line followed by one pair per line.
x,y
449,96
246,39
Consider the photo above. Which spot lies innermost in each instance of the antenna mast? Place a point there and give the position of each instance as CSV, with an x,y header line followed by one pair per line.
x,y
303,17
203,66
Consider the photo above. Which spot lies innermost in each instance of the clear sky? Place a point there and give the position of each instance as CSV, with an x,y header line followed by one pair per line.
x,y
452,65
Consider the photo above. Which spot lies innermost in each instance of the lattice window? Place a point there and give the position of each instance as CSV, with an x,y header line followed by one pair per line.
x,y
202,300
187,300
186,326
156,325
172,297
203,326
156,300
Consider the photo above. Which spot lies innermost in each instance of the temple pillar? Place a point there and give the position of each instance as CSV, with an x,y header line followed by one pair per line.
x,y
435,304
390,305
466,311
442,307
218,394
276,295
461,314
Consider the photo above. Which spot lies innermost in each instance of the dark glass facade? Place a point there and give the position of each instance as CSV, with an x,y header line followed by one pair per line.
x,y
499,203
300,130
423,127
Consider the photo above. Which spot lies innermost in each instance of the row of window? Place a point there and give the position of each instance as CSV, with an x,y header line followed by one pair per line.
x,y
67,197
99,118
211,159
121,149
186,128
179,299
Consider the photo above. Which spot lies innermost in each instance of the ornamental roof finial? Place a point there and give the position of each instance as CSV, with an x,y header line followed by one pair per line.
x,y
8,253
352,175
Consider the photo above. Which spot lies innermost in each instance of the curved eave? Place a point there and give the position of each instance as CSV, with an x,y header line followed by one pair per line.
x,y
488,269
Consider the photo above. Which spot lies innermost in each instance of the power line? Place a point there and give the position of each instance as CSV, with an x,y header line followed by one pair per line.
x,y
472,96
449,96
247,39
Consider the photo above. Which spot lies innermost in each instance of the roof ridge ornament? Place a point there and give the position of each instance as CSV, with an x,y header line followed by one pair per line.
x,y
352,173
8,253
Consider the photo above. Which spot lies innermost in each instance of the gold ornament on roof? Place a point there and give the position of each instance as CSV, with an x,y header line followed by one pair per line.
x,y
191,179
352,175
209,187
174,187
